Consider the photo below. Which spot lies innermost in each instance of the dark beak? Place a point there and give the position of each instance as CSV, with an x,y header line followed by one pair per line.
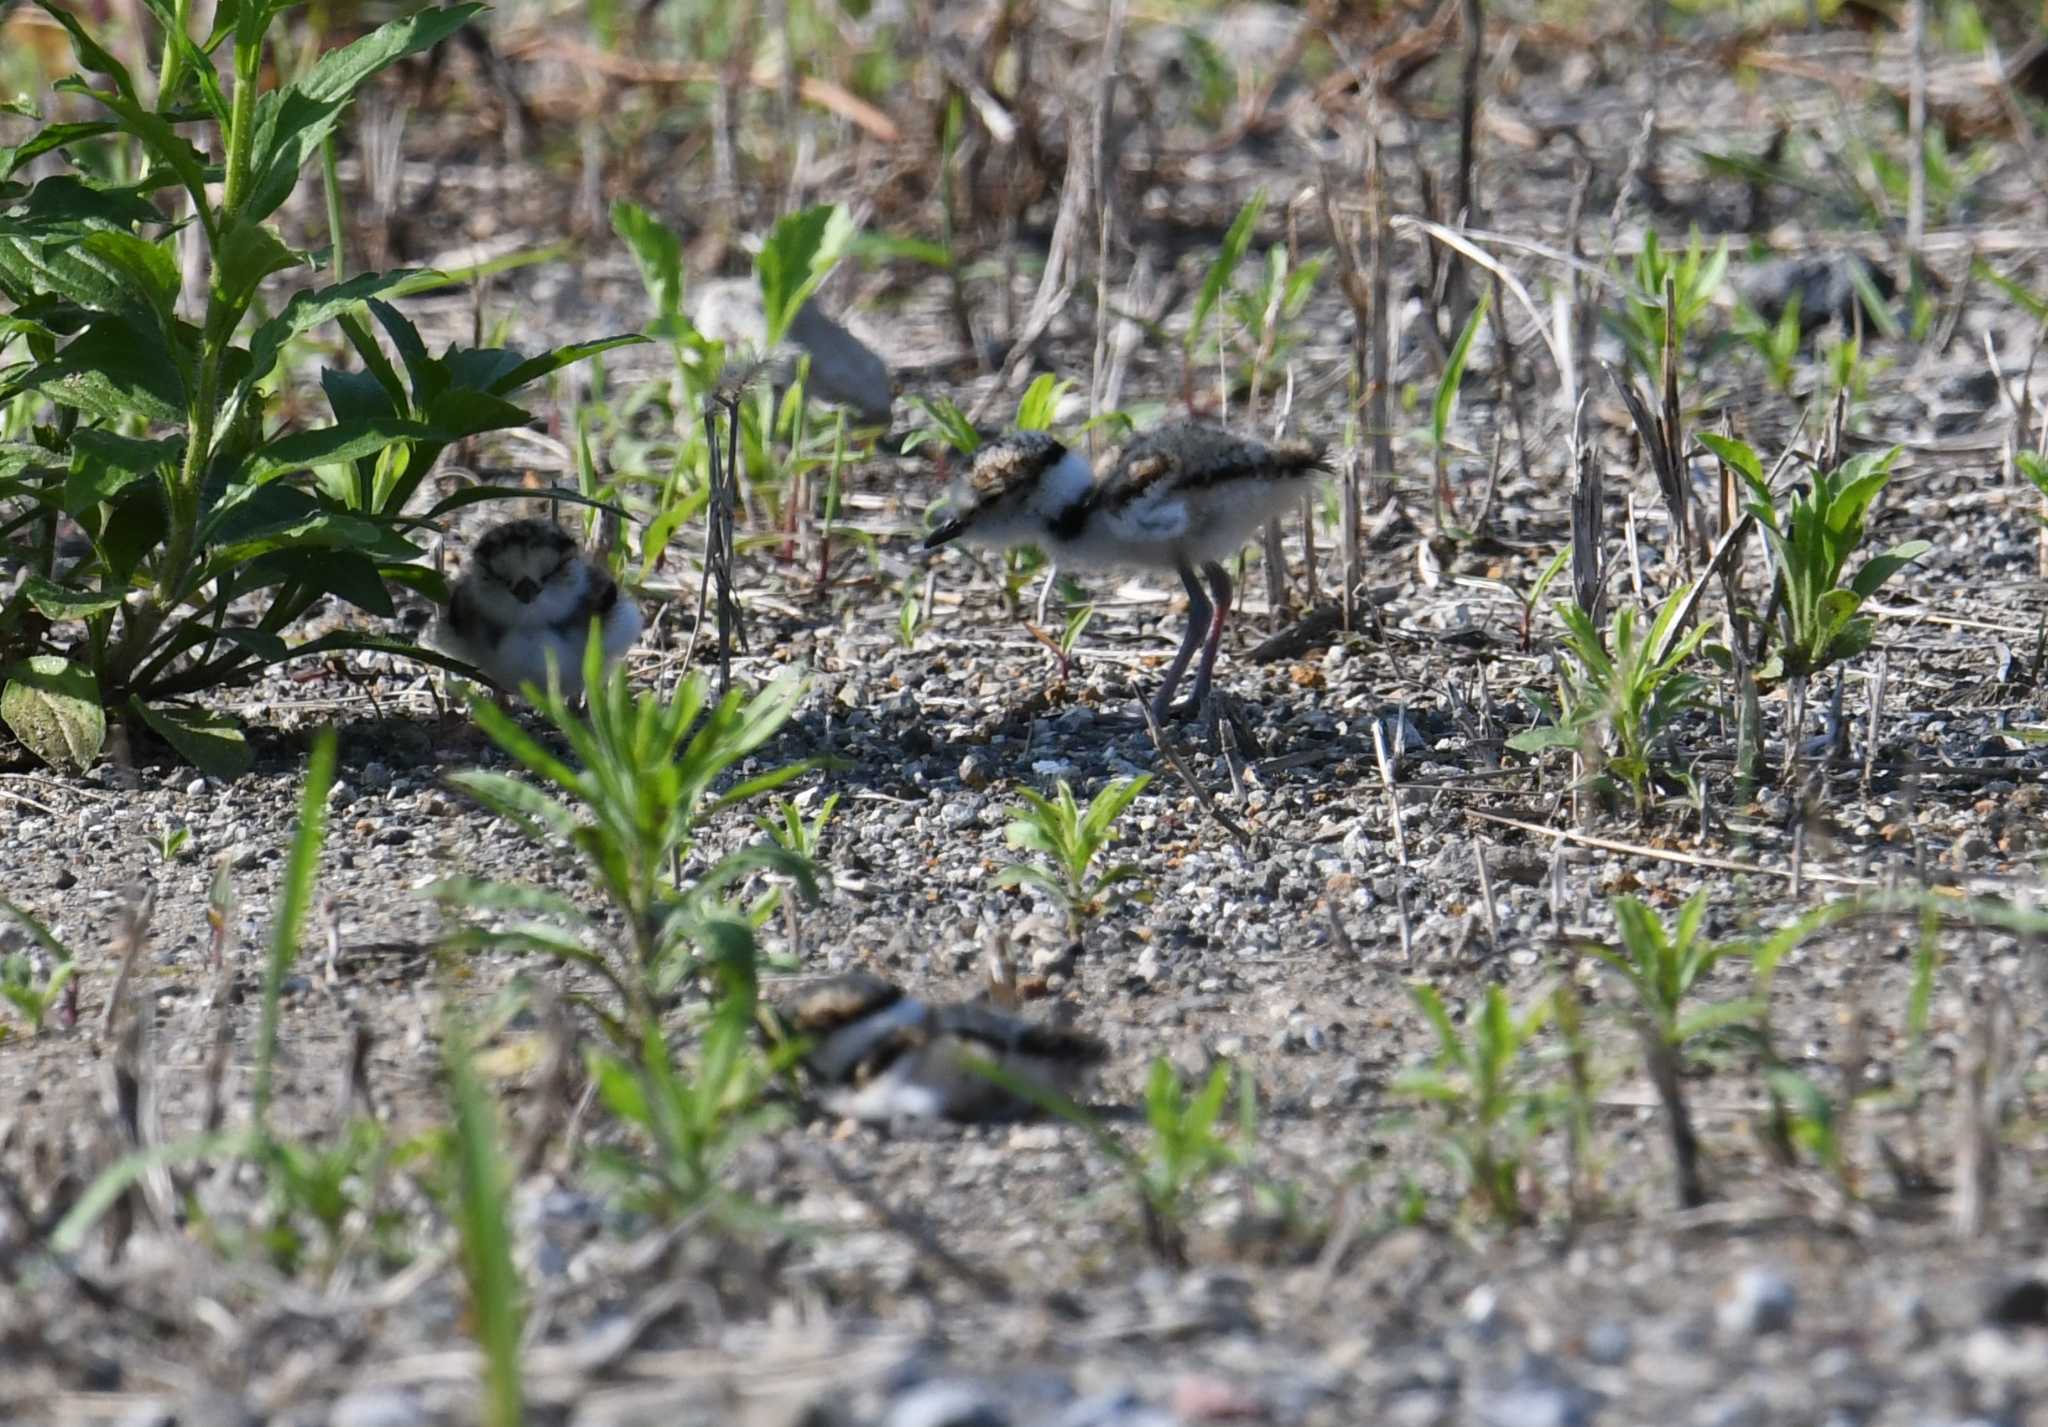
x,y
525,589
942,534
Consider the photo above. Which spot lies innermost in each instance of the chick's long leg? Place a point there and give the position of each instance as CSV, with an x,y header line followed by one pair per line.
x,y
1199,611
1219,582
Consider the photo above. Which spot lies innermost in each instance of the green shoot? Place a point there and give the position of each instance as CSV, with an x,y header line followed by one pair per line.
x,y
1071,840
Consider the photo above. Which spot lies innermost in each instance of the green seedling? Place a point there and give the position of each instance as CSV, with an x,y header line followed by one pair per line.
x,y
1612,706
1776,343
1813,533
1661,965
1077,623
1216,285
172,839
157,437
1184,1149
628,817
796,834
692,1118
1071,841
950,427
1446,405
57,987
1481,1083
1694,279
909,614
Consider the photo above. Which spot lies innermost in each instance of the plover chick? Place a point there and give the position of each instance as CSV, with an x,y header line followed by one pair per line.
x,y
878,1054
1179,497
525,603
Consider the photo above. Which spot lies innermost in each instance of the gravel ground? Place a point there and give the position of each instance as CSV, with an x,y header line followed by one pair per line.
x,y
940,1276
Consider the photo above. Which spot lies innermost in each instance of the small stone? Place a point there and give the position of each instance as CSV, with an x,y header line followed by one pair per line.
x,y
379,1407
393,837
64,879
946,1403
245,857
196,788
1756,1301
1536,1404
340,794
975,771
1609,1343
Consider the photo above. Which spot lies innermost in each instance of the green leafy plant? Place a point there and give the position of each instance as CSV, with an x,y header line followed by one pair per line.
x,y
909,614
1071,840
1078,620
1613,704
1814,532
1186,1143
628,816
156,442
57,987
1237,240
1039,407
691,1117
1482,1084
796,834
1661,965
1776,343
1685,282
950,427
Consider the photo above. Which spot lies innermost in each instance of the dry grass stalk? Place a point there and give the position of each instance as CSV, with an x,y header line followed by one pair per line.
x,y
1977,1118
1386,765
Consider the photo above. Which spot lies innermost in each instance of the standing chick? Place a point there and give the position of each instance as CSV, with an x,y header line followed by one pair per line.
x,y
525,603
1180,497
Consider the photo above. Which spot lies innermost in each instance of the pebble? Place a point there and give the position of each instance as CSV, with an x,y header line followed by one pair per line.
x,y
1609,1342
1539,1404
379,1407
245,856
946,1403
1756,1301
196,788
975,771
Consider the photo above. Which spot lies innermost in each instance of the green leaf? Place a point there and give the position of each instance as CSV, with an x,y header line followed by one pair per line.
x,y
210,741
308,310
1454,373
291,122
56,602
1235,242
90,54
1880,568
330,445
465,411
113,370
657,250
1539,740
534,368
48,139
53,707
1739,457
103,462
248,253
800,253
150,269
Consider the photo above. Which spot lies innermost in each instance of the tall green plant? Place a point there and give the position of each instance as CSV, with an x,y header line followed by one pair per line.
x,y
156,441
1618,693
1814,531
1481,1083
629,816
